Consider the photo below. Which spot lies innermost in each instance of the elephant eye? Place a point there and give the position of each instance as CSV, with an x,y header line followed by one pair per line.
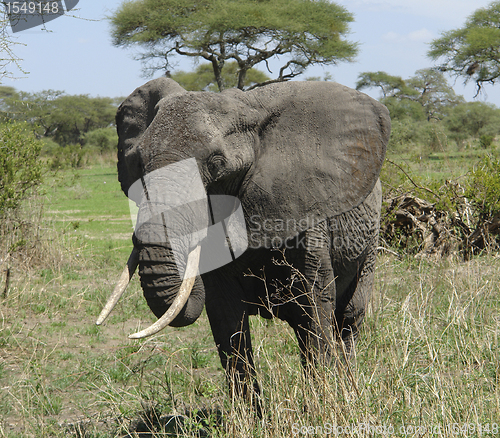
x,y
216,164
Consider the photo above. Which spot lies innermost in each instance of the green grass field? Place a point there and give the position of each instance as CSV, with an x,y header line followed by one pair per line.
x,y
428,360
90,203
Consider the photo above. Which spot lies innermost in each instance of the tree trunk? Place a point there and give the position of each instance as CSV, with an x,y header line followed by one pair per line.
x,y
217,73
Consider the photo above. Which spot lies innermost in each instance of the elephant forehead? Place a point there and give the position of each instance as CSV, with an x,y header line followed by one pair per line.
x,y
211,113
177,127
191,126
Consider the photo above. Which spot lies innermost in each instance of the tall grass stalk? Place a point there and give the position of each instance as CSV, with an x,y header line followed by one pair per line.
x,y
427,361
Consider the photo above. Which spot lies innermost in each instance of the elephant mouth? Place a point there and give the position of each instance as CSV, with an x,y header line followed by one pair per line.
x,y
190,272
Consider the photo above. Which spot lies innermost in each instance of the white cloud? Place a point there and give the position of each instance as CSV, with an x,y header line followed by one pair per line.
x,y
391,37
447,10
422,35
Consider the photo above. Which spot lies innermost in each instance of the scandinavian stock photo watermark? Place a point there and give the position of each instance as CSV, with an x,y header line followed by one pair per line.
x,y
388,430
269,233
27,14
170,206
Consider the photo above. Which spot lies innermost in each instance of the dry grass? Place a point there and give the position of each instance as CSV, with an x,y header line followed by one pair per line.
x,y
428,357
427,361
28,240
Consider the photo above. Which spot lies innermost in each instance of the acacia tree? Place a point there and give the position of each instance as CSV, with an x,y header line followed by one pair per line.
x,y
245,31
428,91
8,58
390,86
203,78
471,52
433,92
64,118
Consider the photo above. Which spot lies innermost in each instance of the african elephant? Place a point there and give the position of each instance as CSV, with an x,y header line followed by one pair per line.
x,y
297,165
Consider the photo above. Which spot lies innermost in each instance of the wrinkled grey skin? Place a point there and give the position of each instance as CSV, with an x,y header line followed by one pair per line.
x,y
287,151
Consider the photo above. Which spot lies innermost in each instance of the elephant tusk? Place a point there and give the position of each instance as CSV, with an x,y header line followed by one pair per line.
x,y
122,284
192,266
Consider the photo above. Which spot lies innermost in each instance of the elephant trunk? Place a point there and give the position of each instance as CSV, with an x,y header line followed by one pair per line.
x,y
171,222
174,306
161,284
168,252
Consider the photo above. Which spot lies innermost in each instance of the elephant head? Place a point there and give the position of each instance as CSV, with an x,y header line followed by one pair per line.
x,y
296,151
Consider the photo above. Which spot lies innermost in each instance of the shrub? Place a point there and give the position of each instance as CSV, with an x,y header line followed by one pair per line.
x,y
20,167
443,217
103,139
404,134
71,156
485,141
472,119
434,137
483,188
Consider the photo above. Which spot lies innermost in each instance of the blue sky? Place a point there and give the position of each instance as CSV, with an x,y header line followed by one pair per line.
x,y
75,55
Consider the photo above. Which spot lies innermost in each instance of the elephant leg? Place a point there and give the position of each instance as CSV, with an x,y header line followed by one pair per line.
x,y
228,318
351,315
314,332
313,318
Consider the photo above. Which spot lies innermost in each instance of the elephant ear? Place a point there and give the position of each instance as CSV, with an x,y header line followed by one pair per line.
x,y
321,150
134,116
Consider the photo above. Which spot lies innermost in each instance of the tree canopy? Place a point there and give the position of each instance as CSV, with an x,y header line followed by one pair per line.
x,y
64,118
20,167
8,58
425,94
203,78
471,52
248,32
473,119
433,92
389,85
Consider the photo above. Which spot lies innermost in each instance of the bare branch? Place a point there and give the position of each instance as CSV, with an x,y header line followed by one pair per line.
x,y
411,180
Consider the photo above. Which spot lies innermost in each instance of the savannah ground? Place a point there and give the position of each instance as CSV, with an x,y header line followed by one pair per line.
x,y
428,358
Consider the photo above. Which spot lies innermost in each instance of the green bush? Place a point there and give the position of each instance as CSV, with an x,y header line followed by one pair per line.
x,y
408,135
99,145
49,146
63,157
404,109
103,139
473,119
20,167
483,188
485,141
404,134
433,135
